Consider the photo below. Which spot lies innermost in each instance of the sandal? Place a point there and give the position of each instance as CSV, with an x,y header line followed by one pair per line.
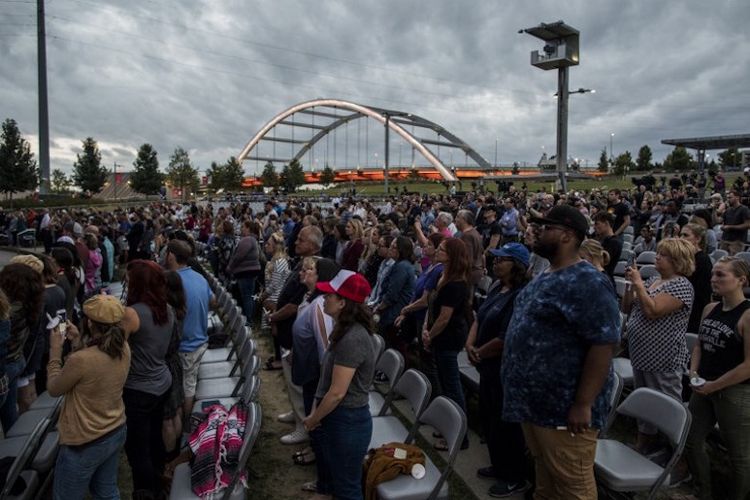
x,y
304,451
305,459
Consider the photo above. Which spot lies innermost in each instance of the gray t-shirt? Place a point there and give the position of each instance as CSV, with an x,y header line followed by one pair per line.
x,y
354,350
148,346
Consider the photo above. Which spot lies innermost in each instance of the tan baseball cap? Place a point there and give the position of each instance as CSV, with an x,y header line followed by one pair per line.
x,y
104,309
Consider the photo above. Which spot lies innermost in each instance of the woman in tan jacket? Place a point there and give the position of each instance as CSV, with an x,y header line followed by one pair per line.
x,y
92,419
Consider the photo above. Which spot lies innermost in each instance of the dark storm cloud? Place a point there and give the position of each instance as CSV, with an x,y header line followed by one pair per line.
x,y
207,75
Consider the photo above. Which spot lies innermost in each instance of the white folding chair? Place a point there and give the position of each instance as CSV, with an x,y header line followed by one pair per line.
x,y
646,258
416,389
448,419
391,363
619,467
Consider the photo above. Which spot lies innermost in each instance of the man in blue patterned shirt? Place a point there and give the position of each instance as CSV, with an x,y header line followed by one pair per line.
x,y
557,373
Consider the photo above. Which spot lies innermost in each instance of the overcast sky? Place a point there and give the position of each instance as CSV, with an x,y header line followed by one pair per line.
x,y
206,75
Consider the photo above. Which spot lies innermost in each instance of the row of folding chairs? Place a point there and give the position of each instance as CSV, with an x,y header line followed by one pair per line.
x,y
227,375
445,416
34,443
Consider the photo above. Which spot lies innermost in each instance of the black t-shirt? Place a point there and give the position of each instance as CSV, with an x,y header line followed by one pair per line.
x,y
453,294
489,230
619,210
613,246
735,216
293,293
721,343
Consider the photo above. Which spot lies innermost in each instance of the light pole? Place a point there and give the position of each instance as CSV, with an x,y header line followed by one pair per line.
x,y
560,52
496,139
114,179
611,151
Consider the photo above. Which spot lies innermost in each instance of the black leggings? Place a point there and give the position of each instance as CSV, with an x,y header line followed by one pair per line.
x,y
144,446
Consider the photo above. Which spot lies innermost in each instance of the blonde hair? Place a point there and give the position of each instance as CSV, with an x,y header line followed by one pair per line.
x,y
592,251
680,252
358,229
699,230
279,250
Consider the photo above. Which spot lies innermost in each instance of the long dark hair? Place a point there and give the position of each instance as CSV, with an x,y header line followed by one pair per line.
x,y
147,284
351,314
176,294
65,260
23,285
457,268
326,270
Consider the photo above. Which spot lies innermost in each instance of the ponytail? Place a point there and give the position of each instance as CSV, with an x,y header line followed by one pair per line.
x,y
110,340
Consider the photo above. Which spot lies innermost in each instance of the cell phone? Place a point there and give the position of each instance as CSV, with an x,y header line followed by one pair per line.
x,y
631,261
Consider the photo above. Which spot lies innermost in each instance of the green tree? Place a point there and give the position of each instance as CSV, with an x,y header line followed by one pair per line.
x,y
88,172
59,183
215,174
269,177
146,178
603,161
678,159
292,176
18,168
234,174
327,176
181,173
644,158
730,158
624,163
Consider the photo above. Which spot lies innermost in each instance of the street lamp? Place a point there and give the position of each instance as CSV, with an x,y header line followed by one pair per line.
x,y
579,91
496,139
611,151
560,52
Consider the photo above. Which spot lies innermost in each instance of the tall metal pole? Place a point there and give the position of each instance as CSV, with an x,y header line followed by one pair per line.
x,y
496,138
387,148
42,89
114,180
562,126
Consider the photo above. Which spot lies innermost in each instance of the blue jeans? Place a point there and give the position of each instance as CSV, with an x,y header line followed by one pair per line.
x,y
340,445
450,378
247,289
90,466
9,409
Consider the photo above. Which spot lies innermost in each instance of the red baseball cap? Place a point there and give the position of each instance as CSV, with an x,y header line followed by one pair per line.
x,y
348,284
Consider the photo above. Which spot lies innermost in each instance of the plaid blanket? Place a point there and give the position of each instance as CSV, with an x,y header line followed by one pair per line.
x,y
216,445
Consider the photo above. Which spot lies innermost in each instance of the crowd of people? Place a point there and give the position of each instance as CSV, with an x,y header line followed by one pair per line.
x,y
524,283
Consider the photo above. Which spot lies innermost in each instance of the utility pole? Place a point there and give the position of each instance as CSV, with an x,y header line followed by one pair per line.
x,y
496,139
387,148
42,90
114,179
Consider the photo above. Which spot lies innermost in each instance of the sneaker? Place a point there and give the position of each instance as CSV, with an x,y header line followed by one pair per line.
x,y
286,418
487,472
502,489
296,437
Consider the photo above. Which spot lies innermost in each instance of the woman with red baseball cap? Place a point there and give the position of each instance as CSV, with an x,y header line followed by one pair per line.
x,y
340,421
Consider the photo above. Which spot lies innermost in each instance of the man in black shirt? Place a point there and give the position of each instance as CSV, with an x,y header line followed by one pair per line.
x,y
736,224
610,243
620,211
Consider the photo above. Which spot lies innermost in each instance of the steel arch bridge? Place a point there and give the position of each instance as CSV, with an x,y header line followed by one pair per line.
x,y
396,121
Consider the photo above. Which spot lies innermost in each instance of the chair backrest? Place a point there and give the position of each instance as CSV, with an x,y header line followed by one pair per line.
x,y
620,285
252,431
647,257
718,254
664,412
250,390
629,230
744,256
380,346
392,364
648,271
448,419
626,254
28,450
628,238
614,398
416,389
244,356
620,268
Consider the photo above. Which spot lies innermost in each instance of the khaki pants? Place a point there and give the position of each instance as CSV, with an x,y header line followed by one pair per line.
x,y
732,247
564,464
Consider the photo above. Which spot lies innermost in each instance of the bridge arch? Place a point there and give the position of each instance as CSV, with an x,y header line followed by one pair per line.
x,y
396,121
